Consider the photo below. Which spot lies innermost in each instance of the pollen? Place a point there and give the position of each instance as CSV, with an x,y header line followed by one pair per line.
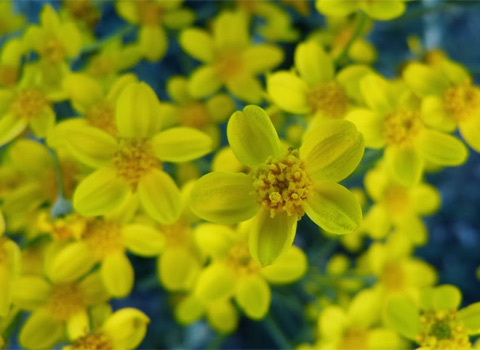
x,y
194,115
28,104
328,99
241,261
95,341
103,238
401,127
102,116
442,330
53,51
66,300
281,185
134,159
462,101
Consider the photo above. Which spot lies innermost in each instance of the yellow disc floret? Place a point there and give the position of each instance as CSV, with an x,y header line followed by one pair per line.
x,y
53,51
103,237
462,101
102,116
28,104
241,261
282,184
95,341
442,330
134,159
329,99
66,300
401,127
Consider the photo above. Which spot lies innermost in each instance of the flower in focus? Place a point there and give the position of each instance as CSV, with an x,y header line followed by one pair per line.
x,y
282,185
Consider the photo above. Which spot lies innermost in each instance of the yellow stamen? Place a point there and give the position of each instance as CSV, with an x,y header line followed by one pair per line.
x,y
102,116
240,259
402,127
53,51
282,184
28,104
103,238
462,101
66,300
95,341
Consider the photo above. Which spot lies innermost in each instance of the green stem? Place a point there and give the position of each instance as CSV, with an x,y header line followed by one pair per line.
x,y
62,206
276,333
362,19
217,341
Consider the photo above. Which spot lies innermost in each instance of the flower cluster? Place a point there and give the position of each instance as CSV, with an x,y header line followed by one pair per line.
x,y
237,170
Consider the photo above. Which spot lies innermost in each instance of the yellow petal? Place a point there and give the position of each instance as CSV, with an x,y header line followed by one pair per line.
x,y
425,199
70,263
197,43
435,115
100,193
441,149
313,63
222,316
332,149
217,281
78,325
90,145
223,198
405,164
269,237
117,275
178,268
332,322
160,196
30,157
288,268
83,91
253,295
336,7
383,10
230,30
143,240
403,317
40,331
220,107
334,208
10,127
204,81
30,292
177,88
470,131
137,111
189,310
424,80
376,93
262,58
252,136
181,144
214,240
288,92
246,87
126,328
446,297
178,18
470,317
370,124
42,124
153,42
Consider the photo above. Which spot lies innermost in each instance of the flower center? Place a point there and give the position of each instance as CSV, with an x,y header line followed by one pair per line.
x,y
134,159
66,300
462,101
61,229
176,234
229,65
354,339
103,237
442,330
149,12
329,99
393,277
53,51
240,259
102,116
28,104
101,66
396,199
401,127
194,115
8,75
95,341
282,184
83,10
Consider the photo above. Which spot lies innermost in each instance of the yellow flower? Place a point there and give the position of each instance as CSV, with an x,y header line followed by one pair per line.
x,y
317,91
10,59
24,105
131,163
124,329
56,308
151,16
229,59
356,327
393,121
233,272
435,321
9,270
84,13
9,20
377,9
282,185
449,98
399,207
192,112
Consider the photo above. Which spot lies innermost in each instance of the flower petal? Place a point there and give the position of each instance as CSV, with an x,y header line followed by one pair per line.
x,y
403,317
376,93
313,63
332,149
253,295
143,240
42,124
446,297
181,144
383,10
204,81
215,282
10,127
424,80
230,30
470,131
178,268
405,164
70,263
126,328
153,42
334,208
223,198
40,331
262,58
441,149
288,268
137,111
83,90
252,136
336,7
370,124
117,274
288,92
269,237
197,43
247,88
100,193
160,197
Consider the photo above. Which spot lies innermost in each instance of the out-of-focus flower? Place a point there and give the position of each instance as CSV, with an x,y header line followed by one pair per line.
x,y
377,9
